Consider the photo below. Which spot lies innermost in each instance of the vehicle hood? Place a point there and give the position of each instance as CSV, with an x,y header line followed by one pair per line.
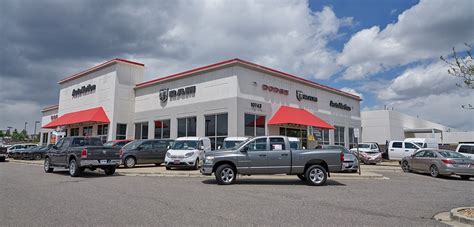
x,y
181,152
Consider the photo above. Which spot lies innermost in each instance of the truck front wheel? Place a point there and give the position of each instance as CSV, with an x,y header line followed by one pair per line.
x,y
225,174
316,175
109,170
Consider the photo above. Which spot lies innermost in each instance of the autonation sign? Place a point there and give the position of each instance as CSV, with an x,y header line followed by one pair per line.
x,y
340,105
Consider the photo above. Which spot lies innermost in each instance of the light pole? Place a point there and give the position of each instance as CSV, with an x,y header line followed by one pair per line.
x,y
36,122
25,125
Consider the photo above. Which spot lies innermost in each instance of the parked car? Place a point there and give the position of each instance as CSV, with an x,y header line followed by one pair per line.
x,y
397,150
272,155
187,152
14,150
350,163
369,153
3,153
36,153
424,142
466,149
231,142
77,153
145,152
117,143
439,162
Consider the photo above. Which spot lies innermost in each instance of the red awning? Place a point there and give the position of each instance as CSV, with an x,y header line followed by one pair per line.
x,y
95,115
290,115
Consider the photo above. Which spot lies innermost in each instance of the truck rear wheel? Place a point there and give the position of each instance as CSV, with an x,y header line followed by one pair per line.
x,y
316,175
225,174
109,170
74,170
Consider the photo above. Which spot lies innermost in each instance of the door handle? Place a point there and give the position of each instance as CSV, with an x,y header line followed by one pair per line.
x,y
407,150
263,155
391,150
284,154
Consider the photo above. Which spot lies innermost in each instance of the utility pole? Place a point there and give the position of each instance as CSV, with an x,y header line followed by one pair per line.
x,y
25,125
36,122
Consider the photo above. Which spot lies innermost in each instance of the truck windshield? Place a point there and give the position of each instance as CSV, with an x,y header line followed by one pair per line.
x,y
364,145
80,142
231,143
185,145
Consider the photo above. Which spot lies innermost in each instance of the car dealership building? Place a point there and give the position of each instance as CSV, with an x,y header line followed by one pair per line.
x,y
228,98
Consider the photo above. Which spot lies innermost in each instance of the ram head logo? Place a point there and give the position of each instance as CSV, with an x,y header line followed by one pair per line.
x,y
164,95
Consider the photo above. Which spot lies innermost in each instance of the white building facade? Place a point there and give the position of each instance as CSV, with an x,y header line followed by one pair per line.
x,y
228,98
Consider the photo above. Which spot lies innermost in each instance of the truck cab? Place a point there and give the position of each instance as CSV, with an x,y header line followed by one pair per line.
x,y
397,150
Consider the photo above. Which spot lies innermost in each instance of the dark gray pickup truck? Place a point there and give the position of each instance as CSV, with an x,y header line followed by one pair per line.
x,y
77,153
272,155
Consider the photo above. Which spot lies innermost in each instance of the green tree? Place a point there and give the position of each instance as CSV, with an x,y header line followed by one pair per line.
x,y
462,67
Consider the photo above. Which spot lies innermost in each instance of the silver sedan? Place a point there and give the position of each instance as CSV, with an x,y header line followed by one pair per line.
x,y
439,162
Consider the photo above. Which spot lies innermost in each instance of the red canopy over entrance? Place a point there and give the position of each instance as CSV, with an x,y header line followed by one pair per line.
x,y
96,115
290,115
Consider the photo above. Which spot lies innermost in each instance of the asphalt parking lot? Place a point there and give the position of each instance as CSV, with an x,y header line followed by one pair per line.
x,y
31,197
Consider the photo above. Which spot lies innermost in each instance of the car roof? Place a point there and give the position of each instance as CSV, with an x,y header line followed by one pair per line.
x,y
236,138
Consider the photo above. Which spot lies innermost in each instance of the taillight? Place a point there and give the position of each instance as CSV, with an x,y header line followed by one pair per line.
x,y
121,153
446,161
342,156
84,153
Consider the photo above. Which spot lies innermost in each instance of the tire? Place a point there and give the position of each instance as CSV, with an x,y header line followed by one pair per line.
x,y
168,168
316,175
130,162
225,174
354,171
196,164
2,159
465,177
301,176
157,164
405,167
109,171
37,156
74,170
434,172
47,165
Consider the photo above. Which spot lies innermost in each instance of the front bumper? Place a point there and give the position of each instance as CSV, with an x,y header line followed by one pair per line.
x,y
370,160
206,170
94,163
180,162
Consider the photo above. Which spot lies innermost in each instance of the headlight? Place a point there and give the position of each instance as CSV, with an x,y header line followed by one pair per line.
x,y
168,154
189,154
209,160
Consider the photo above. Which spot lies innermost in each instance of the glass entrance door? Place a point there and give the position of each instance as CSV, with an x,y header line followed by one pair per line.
x,y
302,134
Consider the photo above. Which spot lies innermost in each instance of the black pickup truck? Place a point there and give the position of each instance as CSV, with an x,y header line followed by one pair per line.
x,y
78,153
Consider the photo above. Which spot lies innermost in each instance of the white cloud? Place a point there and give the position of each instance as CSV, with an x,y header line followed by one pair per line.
x,y
284,34
352,91
425,31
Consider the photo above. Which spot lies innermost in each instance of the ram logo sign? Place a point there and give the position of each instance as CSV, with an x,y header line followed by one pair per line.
x,y
176,94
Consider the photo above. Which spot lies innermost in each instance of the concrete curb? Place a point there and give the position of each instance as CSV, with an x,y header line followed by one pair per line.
x,y
455,216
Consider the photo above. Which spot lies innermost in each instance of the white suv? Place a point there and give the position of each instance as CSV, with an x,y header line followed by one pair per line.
x,y
466,149
187,152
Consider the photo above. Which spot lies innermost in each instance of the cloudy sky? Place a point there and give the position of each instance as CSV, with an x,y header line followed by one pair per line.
x,y
386,51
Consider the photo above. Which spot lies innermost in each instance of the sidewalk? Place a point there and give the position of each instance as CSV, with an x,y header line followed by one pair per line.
x,y
152,170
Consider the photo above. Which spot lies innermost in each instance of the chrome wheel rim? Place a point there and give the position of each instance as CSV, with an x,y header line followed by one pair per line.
x,y
72,167
227,175
405,166
130,162
37,157
46,164
316,175
434,171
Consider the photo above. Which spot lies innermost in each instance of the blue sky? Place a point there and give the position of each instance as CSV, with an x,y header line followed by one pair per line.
x,y
386,51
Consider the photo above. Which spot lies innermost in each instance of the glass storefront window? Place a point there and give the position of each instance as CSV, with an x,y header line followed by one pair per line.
x,y
87,131
216,129
186,126
162,129
254,125
339,135
121,132
141,130
74,131
102,131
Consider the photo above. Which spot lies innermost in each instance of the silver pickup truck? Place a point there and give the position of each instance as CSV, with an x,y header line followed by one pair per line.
x,y
272,155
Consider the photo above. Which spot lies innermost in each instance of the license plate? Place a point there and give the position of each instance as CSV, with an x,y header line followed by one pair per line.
x,y
347,164
177,162
103,161
463,165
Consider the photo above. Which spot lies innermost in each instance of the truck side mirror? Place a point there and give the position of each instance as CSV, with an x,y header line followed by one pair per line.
x,y
219,147
202,147
168,146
